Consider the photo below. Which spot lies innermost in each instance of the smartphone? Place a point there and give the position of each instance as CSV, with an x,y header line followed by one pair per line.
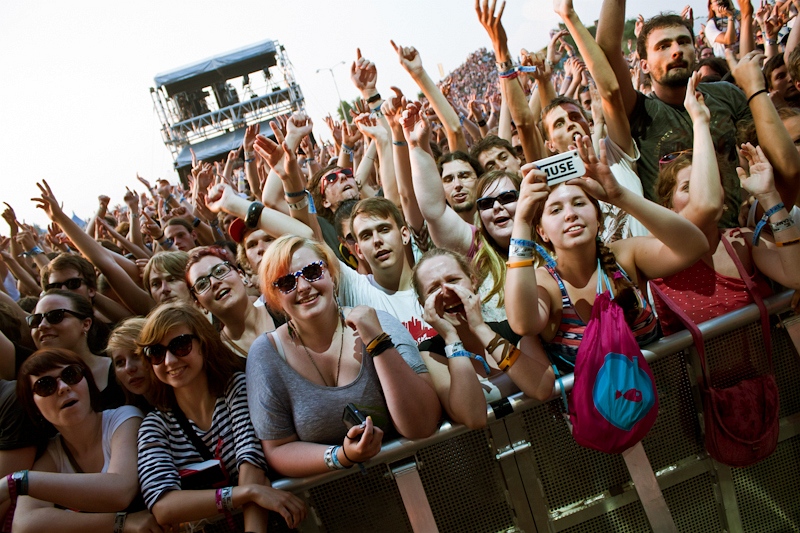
x,y
562,167
352,416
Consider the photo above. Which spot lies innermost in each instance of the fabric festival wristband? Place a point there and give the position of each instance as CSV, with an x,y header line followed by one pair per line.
x,y
119,522
527,69
297,206
297,194
218,501
523,242
481,360
399,143
763,222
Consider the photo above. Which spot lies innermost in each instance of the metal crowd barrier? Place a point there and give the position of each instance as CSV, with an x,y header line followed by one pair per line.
x,y
524,472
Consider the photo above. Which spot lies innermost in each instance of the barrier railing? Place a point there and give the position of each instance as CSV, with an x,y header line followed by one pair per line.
x,y
523,472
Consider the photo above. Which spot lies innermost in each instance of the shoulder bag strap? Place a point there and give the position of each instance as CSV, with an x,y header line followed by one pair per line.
x,y
690,324
187,428
75,466
753,290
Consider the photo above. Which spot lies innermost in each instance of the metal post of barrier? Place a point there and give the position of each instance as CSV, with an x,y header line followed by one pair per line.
x,y
418,509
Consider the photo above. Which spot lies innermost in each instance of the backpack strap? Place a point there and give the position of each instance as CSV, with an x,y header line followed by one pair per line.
x,y
753,290
602,279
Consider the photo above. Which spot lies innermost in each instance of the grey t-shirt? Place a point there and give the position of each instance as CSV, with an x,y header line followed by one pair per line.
x,y
283,403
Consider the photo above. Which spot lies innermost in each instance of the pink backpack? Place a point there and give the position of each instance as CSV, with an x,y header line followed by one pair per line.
x,y
614,401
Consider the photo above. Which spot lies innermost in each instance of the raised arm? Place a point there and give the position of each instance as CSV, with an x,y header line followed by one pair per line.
x,y
675,243
412,62
136,298
780,148
531,139
610,28
446,228
614,115
374,128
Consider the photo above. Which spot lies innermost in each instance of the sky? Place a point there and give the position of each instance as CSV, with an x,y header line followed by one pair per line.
x,y
76,100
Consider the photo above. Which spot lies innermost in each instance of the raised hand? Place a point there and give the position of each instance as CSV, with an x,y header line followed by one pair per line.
x,y
131,199
761,180
687,13
415,126
363,73
491,23
747,71
694,101
47,201
218,197
10,217
250,135
364,321
350,134
392,108
637,27
336,129
297,127
409,58
369,126
532,191
144,181
268,150
599,181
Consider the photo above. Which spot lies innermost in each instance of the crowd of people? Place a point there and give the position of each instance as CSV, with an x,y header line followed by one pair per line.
x,y
161,365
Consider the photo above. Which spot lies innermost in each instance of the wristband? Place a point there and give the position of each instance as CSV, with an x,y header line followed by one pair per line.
x,y
227,498
347,149
214,223
781,225
520,264
297,194
772,42
376,113
465,353
253,214
450,349
119,522
481,123
755,94
218,501
336,462
763,222
509,358
523,252
300,205
328,457
399,143
33,251
374,98
195,222
249,155
787,243
505,65
523,242
12,496
250,160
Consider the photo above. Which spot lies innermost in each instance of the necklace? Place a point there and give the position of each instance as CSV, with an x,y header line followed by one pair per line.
x,y
338,364
241,352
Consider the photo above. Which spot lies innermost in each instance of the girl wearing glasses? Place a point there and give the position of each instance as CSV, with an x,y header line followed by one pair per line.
x,y
556,300
303,375
689,184
219,287
201,415
63,319
88,466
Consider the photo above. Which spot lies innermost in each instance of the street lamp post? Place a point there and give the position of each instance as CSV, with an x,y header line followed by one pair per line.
x,y
335,86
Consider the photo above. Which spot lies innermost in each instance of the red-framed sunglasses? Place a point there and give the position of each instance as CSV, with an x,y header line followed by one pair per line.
x,y
333,177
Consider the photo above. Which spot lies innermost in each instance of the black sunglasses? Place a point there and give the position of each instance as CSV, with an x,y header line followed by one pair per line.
x,y
505,197
48,385
180,346
219,271
55,316
311,272
70,284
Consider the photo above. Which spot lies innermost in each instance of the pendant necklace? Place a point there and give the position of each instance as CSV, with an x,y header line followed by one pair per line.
x,y
338,364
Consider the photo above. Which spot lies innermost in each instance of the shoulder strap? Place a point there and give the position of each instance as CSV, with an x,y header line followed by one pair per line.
x,y
697,337
75,466
187,428
753,290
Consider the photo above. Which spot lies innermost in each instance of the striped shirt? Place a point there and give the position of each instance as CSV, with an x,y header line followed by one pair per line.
x,y
562,350
164,449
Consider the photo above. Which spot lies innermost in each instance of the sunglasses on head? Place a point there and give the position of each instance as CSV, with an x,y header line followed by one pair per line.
x,y
349,239
505,197
219,271
311,272
48,385
669,158
69,284
333,177
55,316
180,346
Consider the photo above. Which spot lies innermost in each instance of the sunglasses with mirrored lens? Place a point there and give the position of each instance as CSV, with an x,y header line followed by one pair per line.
x,y
219,271
505,197
54,316
669,158
333,177
48,385
180,346
349,239
70,284
311,272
